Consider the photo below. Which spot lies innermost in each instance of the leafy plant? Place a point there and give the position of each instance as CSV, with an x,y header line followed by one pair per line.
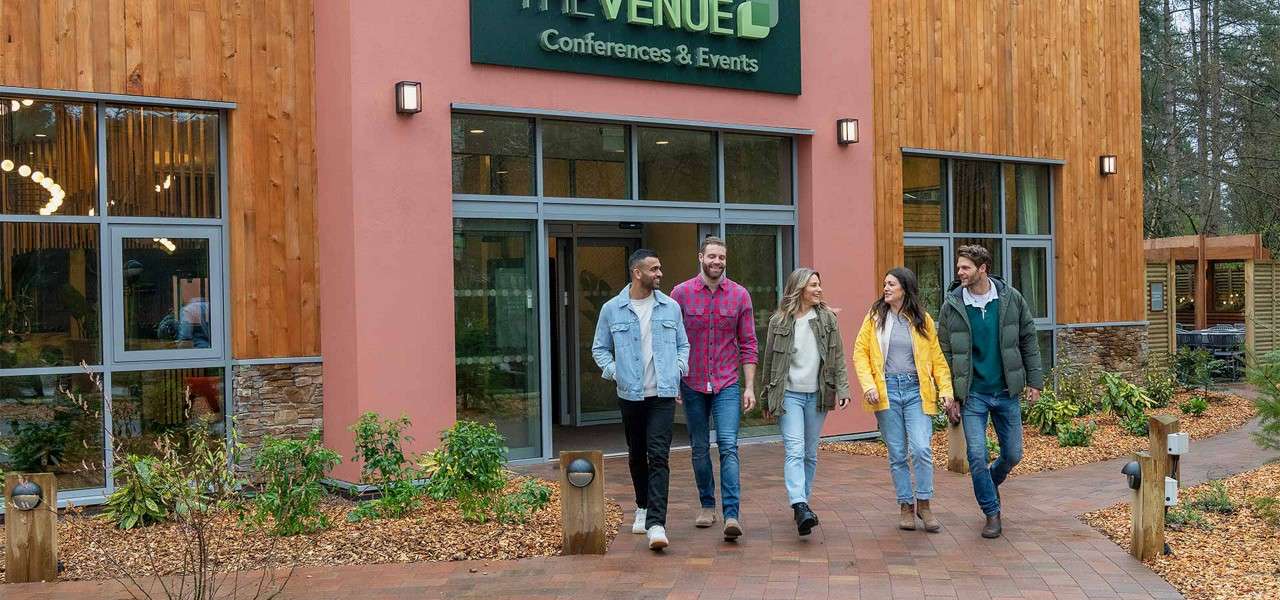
x,y
1195,406
1074,435
939,421
1195,368
1266,508
516,508
472,457
1050,413
291,488
1077,384
1183,516
39,446
1213,498
379,446
1265,376
1137,425
1159,380
1121,397
993,447
143,495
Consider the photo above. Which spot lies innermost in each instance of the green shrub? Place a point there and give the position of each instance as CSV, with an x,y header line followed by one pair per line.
x,y
1050,413
1137,425
516,508
1265,376
379,446
1214,499
1266,508
291,489
1077,384
143,495
1159,380
993,447
39,446
1195,406
1122,398
940,421
1073,435
1195,368
1183,516
470,469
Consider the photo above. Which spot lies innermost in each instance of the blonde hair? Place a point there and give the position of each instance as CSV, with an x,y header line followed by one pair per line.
x,y
793,289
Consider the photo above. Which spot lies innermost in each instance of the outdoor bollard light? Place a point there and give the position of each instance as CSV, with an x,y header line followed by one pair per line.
x,y
1170,491
1179,443
1134,472
847,131
408,97
25,495
1107,164
581,472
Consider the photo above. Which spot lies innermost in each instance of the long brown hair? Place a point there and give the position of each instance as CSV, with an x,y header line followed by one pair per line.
x,y
911,305
793,289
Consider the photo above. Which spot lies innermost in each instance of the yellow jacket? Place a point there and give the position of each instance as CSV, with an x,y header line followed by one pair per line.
x,y
931,366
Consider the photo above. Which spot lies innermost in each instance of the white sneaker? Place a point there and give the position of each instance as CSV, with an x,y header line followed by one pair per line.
x,y
657,537
638,527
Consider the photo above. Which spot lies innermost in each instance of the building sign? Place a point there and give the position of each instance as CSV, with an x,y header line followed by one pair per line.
x,y
745,44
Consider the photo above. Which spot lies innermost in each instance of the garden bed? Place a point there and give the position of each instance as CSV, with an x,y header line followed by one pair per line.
x,y
1224,555
1226,412
93,548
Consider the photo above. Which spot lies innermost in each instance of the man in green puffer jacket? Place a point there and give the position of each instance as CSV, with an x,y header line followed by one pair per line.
x,y
989,340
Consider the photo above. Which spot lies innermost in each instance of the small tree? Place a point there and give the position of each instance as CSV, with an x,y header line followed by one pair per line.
x,y
1265,376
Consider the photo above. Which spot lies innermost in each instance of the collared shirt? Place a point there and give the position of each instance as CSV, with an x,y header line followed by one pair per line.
x,y
979,301
722,332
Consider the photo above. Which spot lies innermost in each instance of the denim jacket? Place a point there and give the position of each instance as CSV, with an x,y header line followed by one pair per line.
x,y
617,345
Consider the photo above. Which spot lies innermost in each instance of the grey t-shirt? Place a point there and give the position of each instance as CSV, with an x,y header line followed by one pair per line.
x,y
900,358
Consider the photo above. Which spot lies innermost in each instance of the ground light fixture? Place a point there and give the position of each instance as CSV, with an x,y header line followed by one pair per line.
x,y
847,131
1107,164
580,472
1133,471
26,495
408,97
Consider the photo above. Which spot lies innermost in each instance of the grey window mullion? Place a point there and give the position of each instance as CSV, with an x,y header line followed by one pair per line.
x,y
951,196
106,312
537,158
719,168
108,435
633,140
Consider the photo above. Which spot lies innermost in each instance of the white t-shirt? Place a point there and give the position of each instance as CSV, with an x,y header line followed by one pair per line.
x,y
644,310
803,374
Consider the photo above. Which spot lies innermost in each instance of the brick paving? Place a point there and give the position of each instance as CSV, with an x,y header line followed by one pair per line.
x,y
857,552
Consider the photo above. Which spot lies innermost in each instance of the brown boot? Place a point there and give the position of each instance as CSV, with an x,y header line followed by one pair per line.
x,y
930,524
992,529
906,517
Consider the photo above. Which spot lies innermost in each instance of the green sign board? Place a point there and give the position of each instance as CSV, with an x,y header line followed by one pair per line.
x,y
744,44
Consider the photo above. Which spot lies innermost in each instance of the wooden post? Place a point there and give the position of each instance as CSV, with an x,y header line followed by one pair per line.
x,y
31,536
582,509
956,452
1159,427
1148,504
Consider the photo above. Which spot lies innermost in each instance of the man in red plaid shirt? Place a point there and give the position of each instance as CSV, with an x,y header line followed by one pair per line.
x,y
722,337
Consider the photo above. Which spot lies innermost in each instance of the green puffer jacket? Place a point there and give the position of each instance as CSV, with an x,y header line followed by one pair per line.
x,y
1019,348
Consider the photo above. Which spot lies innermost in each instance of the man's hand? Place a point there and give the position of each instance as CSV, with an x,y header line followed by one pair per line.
x,y
871,396
1032,394
748,399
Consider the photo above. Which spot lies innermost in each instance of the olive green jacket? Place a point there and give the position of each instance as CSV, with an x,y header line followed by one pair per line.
x,y
775,360
1019,348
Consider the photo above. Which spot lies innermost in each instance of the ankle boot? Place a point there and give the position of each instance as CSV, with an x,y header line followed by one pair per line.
x,y
926,514
992,529
906,517
805,519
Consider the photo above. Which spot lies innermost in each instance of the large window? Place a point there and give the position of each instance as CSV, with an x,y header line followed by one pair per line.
x,y
111,282
677,164
492,155
1006,207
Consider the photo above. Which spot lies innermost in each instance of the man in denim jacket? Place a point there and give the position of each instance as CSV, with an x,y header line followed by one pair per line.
x,y
641,344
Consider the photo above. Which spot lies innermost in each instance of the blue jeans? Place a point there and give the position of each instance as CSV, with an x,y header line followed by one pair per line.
x,y
907,431
1006,415
801,425
698,410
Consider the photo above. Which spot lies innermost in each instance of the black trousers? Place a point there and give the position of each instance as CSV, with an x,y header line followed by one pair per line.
x,y
648,427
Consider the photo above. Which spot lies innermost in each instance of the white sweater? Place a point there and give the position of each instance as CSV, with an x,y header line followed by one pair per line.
x,y
803,374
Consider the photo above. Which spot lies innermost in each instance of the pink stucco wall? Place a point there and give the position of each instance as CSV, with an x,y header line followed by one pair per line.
x,y
385,181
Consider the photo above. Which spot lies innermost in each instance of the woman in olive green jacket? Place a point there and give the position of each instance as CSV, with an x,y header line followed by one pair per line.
x,y
805,376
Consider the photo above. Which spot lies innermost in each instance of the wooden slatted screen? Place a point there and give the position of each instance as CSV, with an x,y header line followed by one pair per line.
x,y
1263,314
1160,323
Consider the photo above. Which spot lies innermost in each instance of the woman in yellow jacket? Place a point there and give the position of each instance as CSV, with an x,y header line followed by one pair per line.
x,y
903,376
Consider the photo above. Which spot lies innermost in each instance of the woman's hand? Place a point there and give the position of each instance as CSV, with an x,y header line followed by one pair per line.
x,y
871,396
843,403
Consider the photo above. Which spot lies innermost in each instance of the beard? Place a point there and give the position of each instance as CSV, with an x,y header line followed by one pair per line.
x,y
707,272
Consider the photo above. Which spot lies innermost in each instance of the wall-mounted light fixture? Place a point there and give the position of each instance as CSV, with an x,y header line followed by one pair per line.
x,y
1107,164
847,131
408,97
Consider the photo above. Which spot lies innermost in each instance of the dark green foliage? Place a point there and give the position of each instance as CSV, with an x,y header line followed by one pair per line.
x,y
1122,398
142,496
379,446
1159,380
993,447
1214,499
1071,434
39,446
1195,368
1077,384
470,468
1265,376
1138,425
291,491
1266,508
1183,516
516,507
939,421
1195,406
1050,413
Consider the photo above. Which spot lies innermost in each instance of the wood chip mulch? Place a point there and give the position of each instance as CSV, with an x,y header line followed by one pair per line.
x,y
1042,452
94,549
1238,556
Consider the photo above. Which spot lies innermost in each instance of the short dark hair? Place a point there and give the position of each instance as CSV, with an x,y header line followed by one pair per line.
x,y
978,254
638,257
711,240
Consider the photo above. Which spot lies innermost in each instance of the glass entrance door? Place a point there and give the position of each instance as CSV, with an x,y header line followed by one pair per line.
x,y
599,272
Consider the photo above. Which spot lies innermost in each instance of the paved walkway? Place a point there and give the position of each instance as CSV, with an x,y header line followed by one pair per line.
x,y
857,552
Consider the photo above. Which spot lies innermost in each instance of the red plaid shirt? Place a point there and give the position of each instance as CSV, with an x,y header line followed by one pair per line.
x,y
722,332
